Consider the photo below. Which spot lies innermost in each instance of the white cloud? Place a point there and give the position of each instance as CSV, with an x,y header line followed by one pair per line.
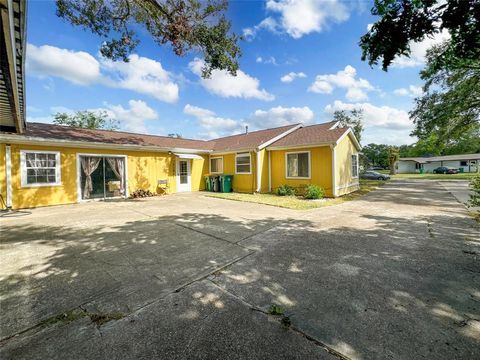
x,y
223,84
78,67
300,17
418,51
383,124
140,74
288,78
132,118
346,79
208,120
413,91
267,60
268,23
143,75
280,116
216,126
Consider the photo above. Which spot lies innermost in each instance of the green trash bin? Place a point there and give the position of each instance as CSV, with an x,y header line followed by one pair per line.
x,y
208,183
227,183
460,169
421,170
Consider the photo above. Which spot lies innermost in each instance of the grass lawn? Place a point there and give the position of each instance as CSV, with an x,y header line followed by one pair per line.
x,y
295,202
429,176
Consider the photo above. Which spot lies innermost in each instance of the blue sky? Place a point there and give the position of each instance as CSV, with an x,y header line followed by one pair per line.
x,y
301,61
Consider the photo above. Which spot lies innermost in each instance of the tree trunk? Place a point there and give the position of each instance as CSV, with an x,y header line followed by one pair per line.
x,y
393,168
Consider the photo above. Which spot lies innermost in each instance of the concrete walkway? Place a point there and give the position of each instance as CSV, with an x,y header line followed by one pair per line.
x,y
461,191
395,274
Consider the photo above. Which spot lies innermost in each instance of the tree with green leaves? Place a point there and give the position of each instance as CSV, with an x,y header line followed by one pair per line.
x,y
352,119
183,24
449,109
377,154
175,135
393,157
402,22
86,119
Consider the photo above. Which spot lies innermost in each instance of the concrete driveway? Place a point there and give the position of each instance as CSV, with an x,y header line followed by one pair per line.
x,y
393,275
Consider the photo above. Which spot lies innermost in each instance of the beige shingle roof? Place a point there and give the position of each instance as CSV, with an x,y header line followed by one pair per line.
x,y
248,141
49,131
310,135
315,134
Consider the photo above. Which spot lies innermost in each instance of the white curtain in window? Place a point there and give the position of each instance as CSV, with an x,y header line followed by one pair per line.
x,y
89,165
118,168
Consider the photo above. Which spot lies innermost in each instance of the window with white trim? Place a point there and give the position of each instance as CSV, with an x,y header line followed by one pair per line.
x,y
298,165
243,163
216,164
355,165
40,168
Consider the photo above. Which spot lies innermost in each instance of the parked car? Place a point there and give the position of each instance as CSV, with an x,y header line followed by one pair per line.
x,y
445,170
373,175
376,168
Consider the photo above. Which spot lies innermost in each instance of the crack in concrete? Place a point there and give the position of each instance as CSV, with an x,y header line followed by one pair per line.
x,y
291,327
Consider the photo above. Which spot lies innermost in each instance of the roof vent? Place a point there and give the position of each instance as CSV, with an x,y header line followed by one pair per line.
x,y
246,129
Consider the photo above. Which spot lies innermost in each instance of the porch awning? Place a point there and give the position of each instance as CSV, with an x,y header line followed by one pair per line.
x,y
187,156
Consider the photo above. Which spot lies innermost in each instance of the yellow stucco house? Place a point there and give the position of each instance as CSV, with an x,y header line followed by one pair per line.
x,y
52,164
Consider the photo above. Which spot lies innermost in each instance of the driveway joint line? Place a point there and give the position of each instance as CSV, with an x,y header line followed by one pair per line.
x,y
293,328
210,235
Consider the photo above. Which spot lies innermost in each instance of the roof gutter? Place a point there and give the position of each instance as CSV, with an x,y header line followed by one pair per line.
x,y
21,139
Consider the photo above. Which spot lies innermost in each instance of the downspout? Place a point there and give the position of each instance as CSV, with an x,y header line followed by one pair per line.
x,y
8,174
334,171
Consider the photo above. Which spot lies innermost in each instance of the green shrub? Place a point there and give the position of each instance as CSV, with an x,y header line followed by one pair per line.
x,y
313,192
475,195
285,190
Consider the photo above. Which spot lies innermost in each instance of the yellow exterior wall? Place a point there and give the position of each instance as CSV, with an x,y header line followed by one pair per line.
x,y
245,183
3,177
263,164
321,169
343,156
144,169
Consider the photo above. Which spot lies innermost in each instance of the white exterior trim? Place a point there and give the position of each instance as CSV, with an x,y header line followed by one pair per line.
x,y
188,185
23,169
30,140
8,166
352,136
210,165
278,137
250,161
188,156
269,171
259,173
334,170
79,173
358,165
309,165
347,186
334,126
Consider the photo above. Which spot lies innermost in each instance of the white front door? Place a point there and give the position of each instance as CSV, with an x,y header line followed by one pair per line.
x,y
183,175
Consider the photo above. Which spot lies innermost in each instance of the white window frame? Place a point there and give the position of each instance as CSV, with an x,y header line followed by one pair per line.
x,y
351,165
309,165
237,155
210,165
23,168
